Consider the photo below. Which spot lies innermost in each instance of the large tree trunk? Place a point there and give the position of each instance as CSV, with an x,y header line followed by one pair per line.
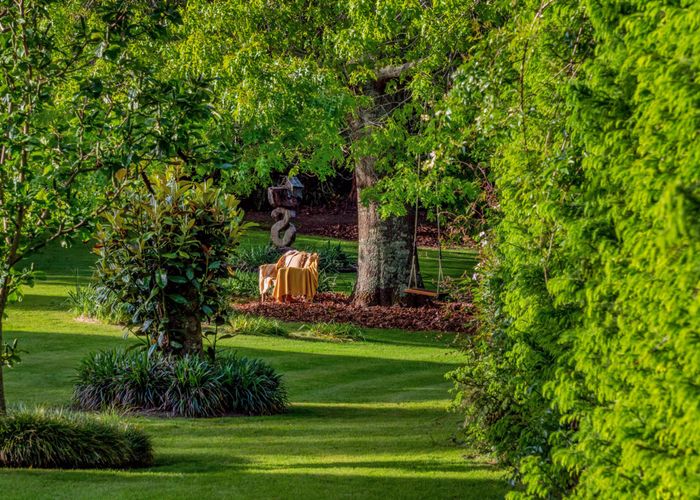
x,y
385,247
187,330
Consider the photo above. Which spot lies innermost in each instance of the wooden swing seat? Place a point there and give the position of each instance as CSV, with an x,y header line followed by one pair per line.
x,y
420,291
424,293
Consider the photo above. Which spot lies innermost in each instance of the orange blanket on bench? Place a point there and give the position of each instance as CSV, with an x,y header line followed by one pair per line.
x,y
295,275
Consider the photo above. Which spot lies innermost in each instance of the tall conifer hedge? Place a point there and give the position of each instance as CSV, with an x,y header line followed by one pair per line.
x,y
586,375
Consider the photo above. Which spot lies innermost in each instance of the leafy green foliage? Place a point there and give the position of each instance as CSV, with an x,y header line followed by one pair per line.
x,y
295,87
250,257
96,302
194,389
165,253
47,439
75,121
326,282
332,258
584,373
189,386
252,386
9,354
242,285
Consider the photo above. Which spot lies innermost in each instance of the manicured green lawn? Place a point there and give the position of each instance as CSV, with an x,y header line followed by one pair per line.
x,y
367,420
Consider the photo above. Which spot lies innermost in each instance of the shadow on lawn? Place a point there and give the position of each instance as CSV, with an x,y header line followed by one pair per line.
x,y
310,376
35,302
252,483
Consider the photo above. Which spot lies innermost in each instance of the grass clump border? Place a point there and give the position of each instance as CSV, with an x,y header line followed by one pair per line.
x,y
59,439
187,386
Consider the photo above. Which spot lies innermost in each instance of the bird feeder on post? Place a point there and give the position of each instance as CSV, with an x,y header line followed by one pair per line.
x,y
295,187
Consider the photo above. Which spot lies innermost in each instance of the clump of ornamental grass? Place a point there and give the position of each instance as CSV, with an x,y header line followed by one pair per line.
x,y
257,325
53,439
187,386
332,332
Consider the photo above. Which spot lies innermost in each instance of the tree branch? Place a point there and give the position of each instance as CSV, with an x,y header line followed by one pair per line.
x,y
391,72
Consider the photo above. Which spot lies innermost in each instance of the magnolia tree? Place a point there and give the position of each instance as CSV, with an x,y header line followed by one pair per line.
x,y
75,124
164,252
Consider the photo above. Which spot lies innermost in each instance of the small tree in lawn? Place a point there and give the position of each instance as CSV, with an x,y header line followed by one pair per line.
x,y
165,252
70,118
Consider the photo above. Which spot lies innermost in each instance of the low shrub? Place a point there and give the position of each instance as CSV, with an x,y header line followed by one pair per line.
x,y
188,386
332,258
165,251
93,301
196,389
51,439
326,282
242,284
250,257
334,332
257,325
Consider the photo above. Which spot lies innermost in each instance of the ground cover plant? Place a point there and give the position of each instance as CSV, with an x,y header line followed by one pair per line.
x,y
331,331
256,325
46,439
189,386
249,258
245,324
364,416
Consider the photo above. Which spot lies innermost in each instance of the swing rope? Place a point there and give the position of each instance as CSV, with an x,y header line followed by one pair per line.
x,y
413,277
440,277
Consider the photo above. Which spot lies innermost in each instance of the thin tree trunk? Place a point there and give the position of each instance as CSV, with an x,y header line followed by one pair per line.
x,y
3,302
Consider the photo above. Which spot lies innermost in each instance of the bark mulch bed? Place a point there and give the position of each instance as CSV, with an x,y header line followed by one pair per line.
x,y
337,307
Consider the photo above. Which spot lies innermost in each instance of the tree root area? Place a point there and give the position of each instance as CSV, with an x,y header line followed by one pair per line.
x,y
338,308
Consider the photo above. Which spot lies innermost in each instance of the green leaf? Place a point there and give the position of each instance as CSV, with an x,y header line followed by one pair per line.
x,y
161,278
177,298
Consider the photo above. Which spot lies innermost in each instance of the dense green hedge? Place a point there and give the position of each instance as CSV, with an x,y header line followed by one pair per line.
x,y
48,439
585,375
